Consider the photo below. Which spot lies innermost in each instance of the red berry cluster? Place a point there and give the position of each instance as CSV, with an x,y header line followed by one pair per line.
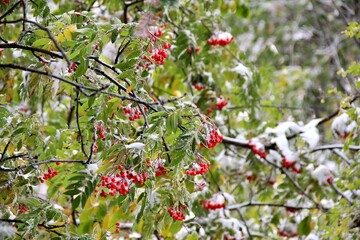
x,y
216,202
200,186
294,165
221,103
287,235
6,1
100,130
189,51
158,165
120,182
145,63
117,227
198,168
158,33
22,208
250,177
220,38
158,55
179,214
214,137
257,148
167,45
133,112
199,86
95,148
72,68
330,180
50,174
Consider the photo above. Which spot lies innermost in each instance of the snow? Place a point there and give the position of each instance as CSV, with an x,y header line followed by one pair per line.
x,y
243,71
312,236
92,168
321,174
137,145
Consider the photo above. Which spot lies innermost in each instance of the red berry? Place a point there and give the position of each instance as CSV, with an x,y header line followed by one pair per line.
x,y
117,224
58,163
167,45
117,230
189,51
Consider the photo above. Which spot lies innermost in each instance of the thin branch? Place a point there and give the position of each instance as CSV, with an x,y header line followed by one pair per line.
x,y
269,204
35,49
245,223
120,51
8,12
78,124
338,191
334,146
5,149
13,66
6,169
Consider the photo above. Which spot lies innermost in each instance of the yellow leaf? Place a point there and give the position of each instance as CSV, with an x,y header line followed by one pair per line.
x,y
71,28
131,87
177,93
67,34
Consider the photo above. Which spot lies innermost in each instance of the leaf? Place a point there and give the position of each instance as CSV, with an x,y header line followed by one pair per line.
x,y
41,42
126,64
82,68
304,226
72,192
75,203
156,115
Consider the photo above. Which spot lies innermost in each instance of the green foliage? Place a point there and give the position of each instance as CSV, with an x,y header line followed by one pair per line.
x,y
103,125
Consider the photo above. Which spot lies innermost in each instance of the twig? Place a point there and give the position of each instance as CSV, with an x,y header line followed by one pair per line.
x,y
78,124
6,169
269,204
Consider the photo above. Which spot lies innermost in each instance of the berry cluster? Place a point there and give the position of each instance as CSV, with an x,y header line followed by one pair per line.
x,y
213,137
167,45
120,182
330,180
158,165
179,214
72,68
216,202
51,173
189,51
158,33
198,168
286,234
158,55
294,165
250,177
220,38
257,148
22,208
133,112
100,130
199,86
117,227
201,185
291,210
221,103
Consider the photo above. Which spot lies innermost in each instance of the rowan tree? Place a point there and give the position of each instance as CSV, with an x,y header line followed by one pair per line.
x,y
179,119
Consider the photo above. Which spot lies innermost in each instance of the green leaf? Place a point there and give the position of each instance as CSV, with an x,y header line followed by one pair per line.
x,y
126,64
304,226
81,69
41,42
72,192
75,203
